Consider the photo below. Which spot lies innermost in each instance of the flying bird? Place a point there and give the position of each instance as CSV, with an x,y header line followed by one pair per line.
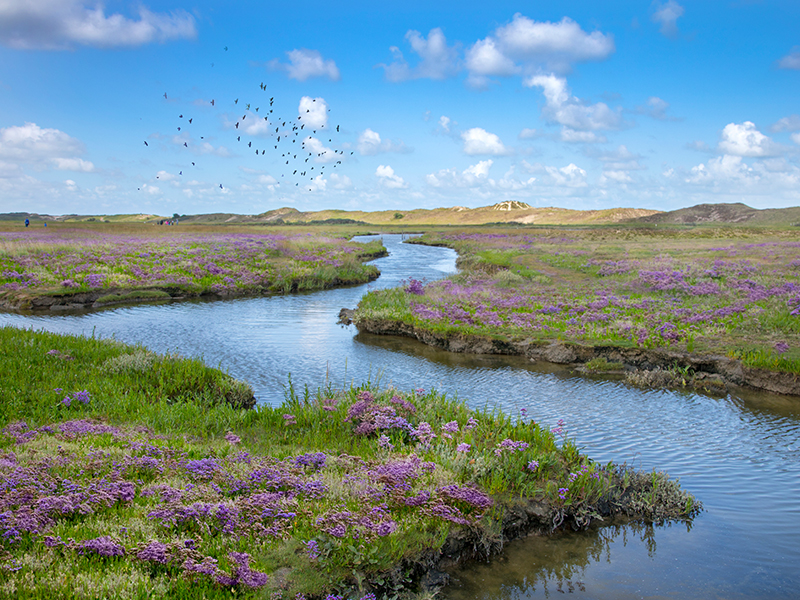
x,y
146,144
212,102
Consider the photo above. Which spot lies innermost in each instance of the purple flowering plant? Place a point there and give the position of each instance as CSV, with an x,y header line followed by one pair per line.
x,y
680,292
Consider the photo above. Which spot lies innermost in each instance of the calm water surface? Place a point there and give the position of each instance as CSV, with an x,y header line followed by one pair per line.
x,y
739,454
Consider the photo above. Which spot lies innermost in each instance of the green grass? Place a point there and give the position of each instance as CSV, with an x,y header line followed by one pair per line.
x,y
169,411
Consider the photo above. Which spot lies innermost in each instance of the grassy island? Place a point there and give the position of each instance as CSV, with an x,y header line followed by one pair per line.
x,y
69,265
697,304
127,474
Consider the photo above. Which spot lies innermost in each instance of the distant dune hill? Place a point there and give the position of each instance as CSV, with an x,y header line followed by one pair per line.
x,y
736,213
511,212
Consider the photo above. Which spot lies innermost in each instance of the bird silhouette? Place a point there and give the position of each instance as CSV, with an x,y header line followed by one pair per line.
x,y
220,186
165,95
212,102
190,121
146,144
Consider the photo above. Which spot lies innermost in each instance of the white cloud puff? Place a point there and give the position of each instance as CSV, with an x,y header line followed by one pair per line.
x,y
437,59
388,179
561,107
667,14
790,123
340,182
73,164
31,143
322,154
526,45
480,141
581,137
313,112
472,176
791,60
304,64
370,144
745,140
570,176
63,24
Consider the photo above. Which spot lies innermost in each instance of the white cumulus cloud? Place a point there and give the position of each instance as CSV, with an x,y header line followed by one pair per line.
x,y
370,144
527,46
313,112
340,182
480,141
64,24
791,60
388,179
790,123
437,59
31,143
570,176
304,64
667,15
322,154
73,164
745,140
561,107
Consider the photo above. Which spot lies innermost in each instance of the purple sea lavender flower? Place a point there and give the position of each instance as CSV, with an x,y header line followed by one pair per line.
x,y
781,347
312,550
533,465
102,546
402,404
312,459
386,528
83,396
424,433
384,442
289,419
415,287
463,448
232,438
471,424
562,493
153,551
204,468
472,496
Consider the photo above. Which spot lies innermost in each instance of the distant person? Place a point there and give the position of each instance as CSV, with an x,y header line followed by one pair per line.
x,y
27,222
45,224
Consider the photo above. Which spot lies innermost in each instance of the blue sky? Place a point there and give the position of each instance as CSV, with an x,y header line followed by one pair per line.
x,y
584,105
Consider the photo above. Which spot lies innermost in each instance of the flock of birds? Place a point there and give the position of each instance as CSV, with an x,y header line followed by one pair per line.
x,y
303,157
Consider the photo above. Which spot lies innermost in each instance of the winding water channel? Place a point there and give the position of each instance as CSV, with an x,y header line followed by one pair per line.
x,y
739,454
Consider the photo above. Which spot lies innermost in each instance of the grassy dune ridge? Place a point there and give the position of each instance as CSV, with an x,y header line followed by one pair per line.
x,y
128,474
